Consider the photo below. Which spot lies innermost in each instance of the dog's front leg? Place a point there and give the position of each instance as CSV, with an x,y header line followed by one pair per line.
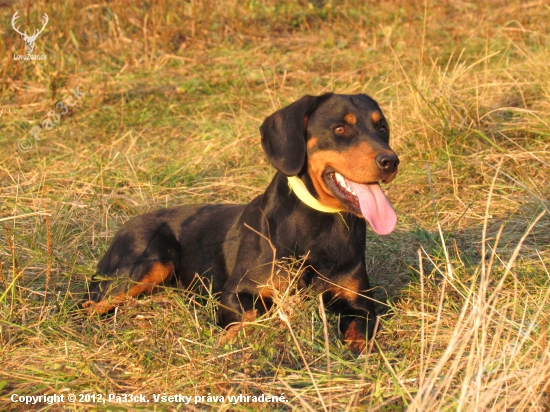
x,y
351,298
241,302
235,308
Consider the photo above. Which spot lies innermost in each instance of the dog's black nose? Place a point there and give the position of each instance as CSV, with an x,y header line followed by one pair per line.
x,y
387,162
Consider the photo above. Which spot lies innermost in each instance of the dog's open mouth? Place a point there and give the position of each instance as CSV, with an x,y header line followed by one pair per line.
x,y
366,199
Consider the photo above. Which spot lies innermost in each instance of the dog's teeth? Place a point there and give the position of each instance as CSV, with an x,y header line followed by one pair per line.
x,y
343,184
340,179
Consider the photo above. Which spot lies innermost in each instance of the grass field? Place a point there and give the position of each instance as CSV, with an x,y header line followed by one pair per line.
x,y
174,94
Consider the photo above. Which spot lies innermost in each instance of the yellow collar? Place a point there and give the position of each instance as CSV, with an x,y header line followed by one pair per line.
x,y
300,190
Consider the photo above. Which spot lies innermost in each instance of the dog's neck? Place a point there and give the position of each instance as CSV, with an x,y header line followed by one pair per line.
x,y
279,195
300,190
281,208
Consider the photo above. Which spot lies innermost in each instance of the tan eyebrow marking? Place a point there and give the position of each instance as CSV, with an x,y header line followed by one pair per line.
x,y
350,118
376,116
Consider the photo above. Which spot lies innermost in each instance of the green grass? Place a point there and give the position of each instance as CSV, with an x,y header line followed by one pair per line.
x,y
175,94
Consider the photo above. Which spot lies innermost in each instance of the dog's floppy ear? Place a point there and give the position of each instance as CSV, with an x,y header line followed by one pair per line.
x,y
284,134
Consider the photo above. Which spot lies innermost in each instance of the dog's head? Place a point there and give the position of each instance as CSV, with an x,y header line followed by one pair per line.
x,y
339,146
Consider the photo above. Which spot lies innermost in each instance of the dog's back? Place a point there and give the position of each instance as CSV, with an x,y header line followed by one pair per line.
x,y
186,240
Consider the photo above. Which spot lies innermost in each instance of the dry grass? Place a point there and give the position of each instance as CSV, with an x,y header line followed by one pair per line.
x,y
175,93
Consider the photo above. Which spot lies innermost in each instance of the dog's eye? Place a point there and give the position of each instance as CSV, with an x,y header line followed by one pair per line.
x,y
340,130
383,130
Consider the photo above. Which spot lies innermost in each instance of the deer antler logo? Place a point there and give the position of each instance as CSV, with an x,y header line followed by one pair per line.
x,y
29,40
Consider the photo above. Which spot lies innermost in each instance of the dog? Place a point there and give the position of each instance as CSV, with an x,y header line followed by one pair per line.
x,y
331,152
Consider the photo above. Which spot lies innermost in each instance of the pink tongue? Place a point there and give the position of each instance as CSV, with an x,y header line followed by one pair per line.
x,y
375,206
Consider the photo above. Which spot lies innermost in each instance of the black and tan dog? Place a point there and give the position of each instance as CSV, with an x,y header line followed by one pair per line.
x,y
331,152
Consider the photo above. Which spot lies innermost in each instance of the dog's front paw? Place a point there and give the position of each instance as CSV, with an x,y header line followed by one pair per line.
x,y
232,330
91,307
357,347
355,337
